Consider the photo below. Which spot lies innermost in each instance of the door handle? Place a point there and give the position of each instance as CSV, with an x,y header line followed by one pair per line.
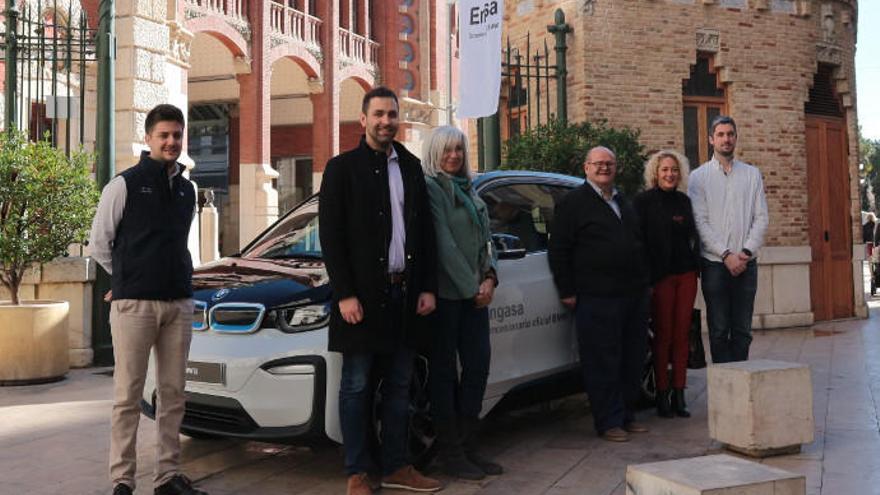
x,y
826,236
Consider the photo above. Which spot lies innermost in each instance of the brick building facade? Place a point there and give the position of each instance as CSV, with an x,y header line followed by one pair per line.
x,y
784,69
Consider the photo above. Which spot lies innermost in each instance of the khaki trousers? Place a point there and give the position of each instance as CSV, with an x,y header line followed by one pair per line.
x,y
137,326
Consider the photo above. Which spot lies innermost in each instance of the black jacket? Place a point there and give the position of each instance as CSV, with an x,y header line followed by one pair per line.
x,y
355,219
656,210
592,251
151,258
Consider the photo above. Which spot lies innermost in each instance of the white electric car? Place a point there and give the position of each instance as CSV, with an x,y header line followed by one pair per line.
x,y
259,367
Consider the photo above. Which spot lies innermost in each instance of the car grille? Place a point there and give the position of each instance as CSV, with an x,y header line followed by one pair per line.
x,y
217,414
236,317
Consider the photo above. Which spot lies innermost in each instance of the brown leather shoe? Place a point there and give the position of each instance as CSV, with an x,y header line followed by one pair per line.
x,y
407,478
616,434
358,484
636,427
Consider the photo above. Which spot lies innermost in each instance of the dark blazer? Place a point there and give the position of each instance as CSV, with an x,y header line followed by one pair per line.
x,y
592,251
654,208
355,218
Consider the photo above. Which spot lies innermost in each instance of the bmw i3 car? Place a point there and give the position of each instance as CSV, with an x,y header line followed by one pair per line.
x,y
259,367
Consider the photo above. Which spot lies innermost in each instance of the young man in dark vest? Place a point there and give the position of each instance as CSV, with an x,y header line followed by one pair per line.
x,y
377,237
139,235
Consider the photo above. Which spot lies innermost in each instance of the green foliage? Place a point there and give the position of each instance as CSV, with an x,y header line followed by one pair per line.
x,y
47,201
869,158
561,148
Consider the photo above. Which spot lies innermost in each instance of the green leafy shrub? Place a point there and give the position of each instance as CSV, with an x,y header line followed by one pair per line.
x,y
561,148
47,201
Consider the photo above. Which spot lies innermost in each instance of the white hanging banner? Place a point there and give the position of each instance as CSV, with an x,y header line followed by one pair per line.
x,y
479,84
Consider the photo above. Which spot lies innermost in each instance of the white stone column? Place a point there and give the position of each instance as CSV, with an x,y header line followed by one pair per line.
x,y
142,46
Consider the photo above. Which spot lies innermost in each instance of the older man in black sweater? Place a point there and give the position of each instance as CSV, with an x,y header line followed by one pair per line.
x,y
598,263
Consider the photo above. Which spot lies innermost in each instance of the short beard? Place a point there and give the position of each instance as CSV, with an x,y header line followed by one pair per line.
x,y
725,155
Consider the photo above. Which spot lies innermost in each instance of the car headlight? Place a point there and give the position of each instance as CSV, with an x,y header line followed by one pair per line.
x,y
292,319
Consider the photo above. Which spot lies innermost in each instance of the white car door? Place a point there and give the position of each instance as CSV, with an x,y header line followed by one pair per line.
x,y
531,332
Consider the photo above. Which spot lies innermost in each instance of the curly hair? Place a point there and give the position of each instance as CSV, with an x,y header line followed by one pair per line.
x,y
653,164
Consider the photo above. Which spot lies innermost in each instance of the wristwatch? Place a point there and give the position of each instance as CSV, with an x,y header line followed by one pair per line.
x,y
747,252
725,254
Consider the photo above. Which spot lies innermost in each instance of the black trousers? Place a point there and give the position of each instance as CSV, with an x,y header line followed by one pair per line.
x,y
613,342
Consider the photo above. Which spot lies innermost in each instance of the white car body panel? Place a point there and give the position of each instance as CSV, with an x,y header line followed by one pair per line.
x,y
531,337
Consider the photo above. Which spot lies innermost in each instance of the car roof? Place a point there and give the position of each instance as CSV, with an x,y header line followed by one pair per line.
x,y
486,177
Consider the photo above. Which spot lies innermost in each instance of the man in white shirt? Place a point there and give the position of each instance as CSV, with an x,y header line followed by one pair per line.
x,y
731,215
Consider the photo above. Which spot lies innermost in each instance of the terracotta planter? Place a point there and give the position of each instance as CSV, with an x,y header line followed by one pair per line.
x,y
33,342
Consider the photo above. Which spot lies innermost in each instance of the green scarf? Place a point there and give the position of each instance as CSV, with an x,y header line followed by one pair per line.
x,y
461,186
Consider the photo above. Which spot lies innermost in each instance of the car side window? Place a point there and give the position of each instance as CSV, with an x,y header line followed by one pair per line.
x,y
523,210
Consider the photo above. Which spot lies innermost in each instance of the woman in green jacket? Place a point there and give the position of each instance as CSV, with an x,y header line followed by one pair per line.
x,y
466,282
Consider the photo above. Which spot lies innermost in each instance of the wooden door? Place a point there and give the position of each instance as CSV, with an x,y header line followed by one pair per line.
x,y
831,273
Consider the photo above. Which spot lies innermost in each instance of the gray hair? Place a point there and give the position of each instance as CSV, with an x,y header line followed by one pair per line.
x,y
600,148
653,165
434,146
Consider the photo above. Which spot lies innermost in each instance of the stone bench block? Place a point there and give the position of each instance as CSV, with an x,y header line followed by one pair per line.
x,y
712,475
760,407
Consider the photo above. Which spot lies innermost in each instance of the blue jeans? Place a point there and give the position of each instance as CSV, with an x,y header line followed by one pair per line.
x,y
613,342
360,373
730,302
460,331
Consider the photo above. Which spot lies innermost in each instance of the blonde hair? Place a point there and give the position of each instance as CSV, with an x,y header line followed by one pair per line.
x,y
653,165
434,146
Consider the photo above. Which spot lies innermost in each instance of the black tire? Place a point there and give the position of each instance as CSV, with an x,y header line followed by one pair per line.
x,y
422,447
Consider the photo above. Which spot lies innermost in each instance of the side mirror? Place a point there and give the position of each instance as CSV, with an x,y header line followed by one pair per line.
x,y
508,247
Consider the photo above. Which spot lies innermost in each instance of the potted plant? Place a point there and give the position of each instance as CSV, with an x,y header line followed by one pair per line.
x,y
47,200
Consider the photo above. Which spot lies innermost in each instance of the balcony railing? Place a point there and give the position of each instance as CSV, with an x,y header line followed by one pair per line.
x,y
234,9
294,24
358,48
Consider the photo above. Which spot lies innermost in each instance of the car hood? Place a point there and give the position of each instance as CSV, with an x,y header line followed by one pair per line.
x,y
259,280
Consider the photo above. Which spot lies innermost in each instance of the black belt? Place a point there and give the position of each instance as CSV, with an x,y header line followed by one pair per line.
x,y
396,278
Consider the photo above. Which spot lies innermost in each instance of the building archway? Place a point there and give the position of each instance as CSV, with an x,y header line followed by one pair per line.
x,y
212,126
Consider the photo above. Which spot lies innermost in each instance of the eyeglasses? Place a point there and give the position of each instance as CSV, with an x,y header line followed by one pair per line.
x,y
608,164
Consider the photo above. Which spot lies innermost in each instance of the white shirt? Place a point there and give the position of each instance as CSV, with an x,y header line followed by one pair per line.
x,y
611,202
396,249
730,209
109,214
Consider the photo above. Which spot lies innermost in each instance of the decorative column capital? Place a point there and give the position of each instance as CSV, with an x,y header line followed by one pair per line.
x,y
316,85
179,43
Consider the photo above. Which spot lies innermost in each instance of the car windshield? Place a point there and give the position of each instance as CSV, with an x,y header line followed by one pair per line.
x,y
295,236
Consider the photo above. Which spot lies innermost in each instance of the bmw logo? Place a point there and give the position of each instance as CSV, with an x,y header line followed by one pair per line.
x,y
220,294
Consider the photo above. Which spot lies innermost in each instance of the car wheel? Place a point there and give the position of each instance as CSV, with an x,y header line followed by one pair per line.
x,y
421,434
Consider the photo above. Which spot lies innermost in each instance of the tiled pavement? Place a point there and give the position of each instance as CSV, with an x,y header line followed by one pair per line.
x,y
54,438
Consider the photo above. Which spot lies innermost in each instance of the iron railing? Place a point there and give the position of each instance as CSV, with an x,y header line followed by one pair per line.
x,y
46,48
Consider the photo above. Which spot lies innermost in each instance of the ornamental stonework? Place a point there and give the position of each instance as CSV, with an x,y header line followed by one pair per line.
x,y
179,43
708,40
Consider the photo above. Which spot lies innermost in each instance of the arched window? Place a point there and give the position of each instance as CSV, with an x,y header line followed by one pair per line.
x,y
703,99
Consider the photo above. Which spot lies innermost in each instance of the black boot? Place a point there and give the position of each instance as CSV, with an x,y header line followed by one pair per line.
x,y
469,429
450,455
678,404
664,404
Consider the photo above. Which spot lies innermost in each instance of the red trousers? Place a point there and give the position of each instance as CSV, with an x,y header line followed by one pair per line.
x,y
672,306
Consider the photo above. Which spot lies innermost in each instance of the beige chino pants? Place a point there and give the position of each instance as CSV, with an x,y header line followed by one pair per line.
x,y
137,326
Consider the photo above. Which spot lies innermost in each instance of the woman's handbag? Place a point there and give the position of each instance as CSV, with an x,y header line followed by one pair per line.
x,y
696,352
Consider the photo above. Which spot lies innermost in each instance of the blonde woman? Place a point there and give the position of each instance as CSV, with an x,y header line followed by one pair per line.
x,y
466,282
672,242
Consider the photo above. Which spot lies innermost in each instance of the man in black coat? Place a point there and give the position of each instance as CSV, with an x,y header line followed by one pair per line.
x,y
377,239
599,267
